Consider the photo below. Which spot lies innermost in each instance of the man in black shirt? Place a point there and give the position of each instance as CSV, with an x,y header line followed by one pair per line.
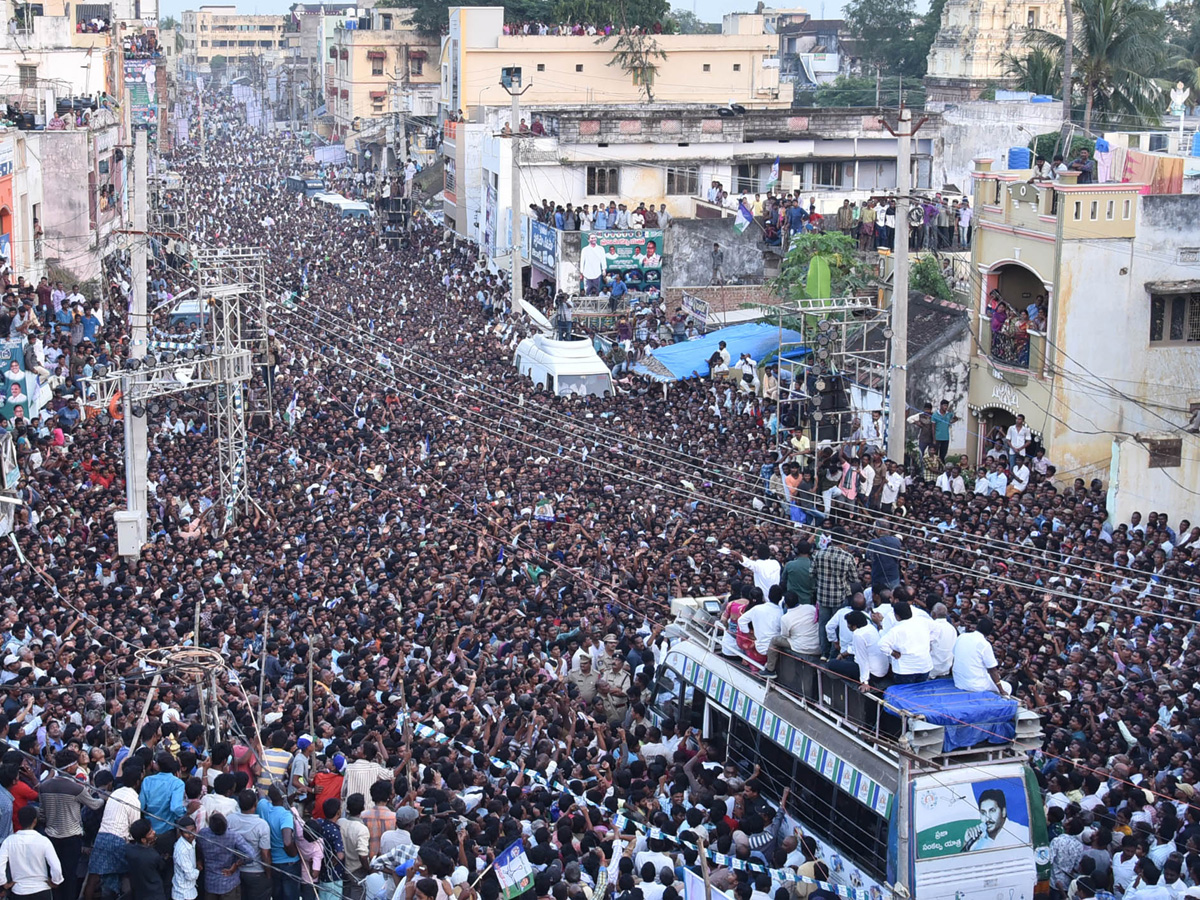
x,y
147,868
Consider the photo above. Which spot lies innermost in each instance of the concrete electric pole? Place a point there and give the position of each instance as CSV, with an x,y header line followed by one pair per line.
x,y
510,80
898,381
136,451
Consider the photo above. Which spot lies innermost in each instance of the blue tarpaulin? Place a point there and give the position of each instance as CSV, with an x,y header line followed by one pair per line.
x,y
969,717
756,338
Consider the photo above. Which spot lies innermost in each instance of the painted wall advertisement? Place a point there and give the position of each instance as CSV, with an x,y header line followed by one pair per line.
x,y
490,213
636,255
7,157
141,89
23,391
964,818
543,246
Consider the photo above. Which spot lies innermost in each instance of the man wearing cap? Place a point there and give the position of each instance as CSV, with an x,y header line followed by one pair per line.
x,y
300,769
406,817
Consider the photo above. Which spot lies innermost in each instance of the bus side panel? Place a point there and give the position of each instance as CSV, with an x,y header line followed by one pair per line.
x,y
971,835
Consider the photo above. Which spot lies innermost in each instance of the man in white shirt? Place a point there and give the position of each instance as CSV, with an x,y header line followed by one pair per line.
x,y
761,620
1020,477
1018,436
975,666
764,569
837,632
907,643
942,636
591,266
893,484
28,863
799,635
997,481
870,664
951,481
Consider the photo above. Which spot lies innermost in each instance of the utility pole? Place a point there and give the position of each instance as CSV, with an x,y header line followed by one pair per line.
x,y
898,380
200,103
510,80
136,452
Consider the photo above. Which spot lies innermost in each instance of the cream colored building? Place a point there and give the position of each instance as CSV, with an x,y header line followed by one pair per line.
x,y
968,53
740,65
1111,380
214,31
378,67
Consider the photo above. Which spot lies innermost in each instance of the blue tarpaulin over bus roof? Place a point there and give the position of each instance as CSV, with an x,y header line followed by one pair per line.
x,y
759,339
969,717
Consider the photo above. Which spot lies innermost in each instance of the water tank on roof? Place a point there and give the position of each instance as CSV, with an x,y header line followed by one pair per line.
x,y
1020,158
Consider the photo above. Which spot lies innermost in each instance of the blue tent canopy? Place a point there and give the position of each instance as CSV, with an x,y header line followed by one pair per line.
x,y
759,339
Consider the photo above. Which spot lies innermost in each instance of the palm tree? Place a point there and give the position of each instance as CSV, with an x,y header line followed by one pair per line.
x,y
1119,48
1039,71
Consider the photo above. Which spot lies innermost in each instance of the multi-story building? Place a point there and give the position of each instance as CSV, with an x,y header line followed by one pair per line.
x,y
671,154
815,51
245,42
975,37
1099,375
380,68
740,65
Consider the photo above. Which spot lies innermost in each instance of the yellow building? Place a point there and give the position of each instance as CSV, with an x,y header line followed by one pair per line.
x,y
378,67
213,31
739,65
1106,382
968,53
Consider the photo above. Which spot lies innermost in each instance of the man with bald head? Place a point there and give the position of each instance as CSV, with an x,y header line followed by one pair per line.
x,y
942,636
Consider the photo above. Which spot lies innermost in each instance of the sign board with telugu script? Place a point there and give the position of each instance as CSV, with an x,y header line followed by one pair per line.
x,y
695,307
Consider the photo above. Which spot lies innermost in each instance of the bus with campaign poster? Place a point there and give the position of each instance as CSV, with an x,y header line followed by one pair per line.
x,y
921,793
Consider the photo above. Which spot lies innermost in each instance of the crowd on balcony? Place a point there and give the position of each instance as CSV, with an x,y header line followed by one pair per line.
x,y
1011,324
599,217
141,46
94,25
577,29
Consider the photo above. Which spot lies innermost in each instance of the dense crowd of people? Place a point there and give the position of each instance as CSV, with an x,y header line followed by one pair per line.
x,y
452,590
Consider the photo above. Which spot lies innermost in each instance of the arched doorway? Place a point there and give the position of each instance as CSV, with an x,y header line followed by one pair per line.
x,y
990,419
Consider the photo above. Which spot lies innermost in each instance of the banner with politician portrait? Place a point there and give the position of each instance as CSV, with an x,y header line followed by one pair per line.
x,y
636,255
968,817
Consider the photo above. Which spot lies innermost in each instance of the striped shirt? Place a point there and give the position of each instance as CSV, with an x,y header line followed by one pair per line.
x,y
360,775
62,800
275,766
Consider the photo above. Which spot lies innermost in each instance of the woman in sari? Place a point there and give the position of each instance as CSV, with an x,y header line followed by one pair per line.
x,y
1001,346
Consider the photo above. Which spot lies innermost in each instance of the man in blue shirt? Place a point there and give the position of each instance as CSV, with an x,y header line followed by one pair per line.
x,y
284,856
162,794
942,420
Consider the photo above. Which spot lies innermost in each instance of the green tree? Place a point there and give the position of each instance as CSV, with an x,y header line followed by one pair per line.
x,y
687,22
431,17
1038,71
842,270
1120,46
859,90
168,22
217,65
636,54
887,34
925,32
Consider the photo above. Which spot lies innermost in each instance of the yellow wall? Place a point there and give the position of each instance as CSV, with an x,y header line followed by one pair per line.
x,y
577,70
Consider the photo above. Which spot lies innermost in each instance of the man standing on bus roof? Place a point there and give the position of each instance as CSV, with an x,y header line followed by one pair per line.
x,y
993,813
870,665
835,573
764,569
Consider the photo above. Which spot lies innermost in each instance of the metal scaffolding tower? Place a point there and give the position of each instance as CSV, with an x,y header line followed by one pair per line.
x,y
232,282
831,381
233,293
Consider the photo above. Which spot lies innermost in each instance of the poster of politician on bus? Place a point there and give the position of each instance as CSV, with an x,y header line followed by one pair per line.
x,y
636,255
965,817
